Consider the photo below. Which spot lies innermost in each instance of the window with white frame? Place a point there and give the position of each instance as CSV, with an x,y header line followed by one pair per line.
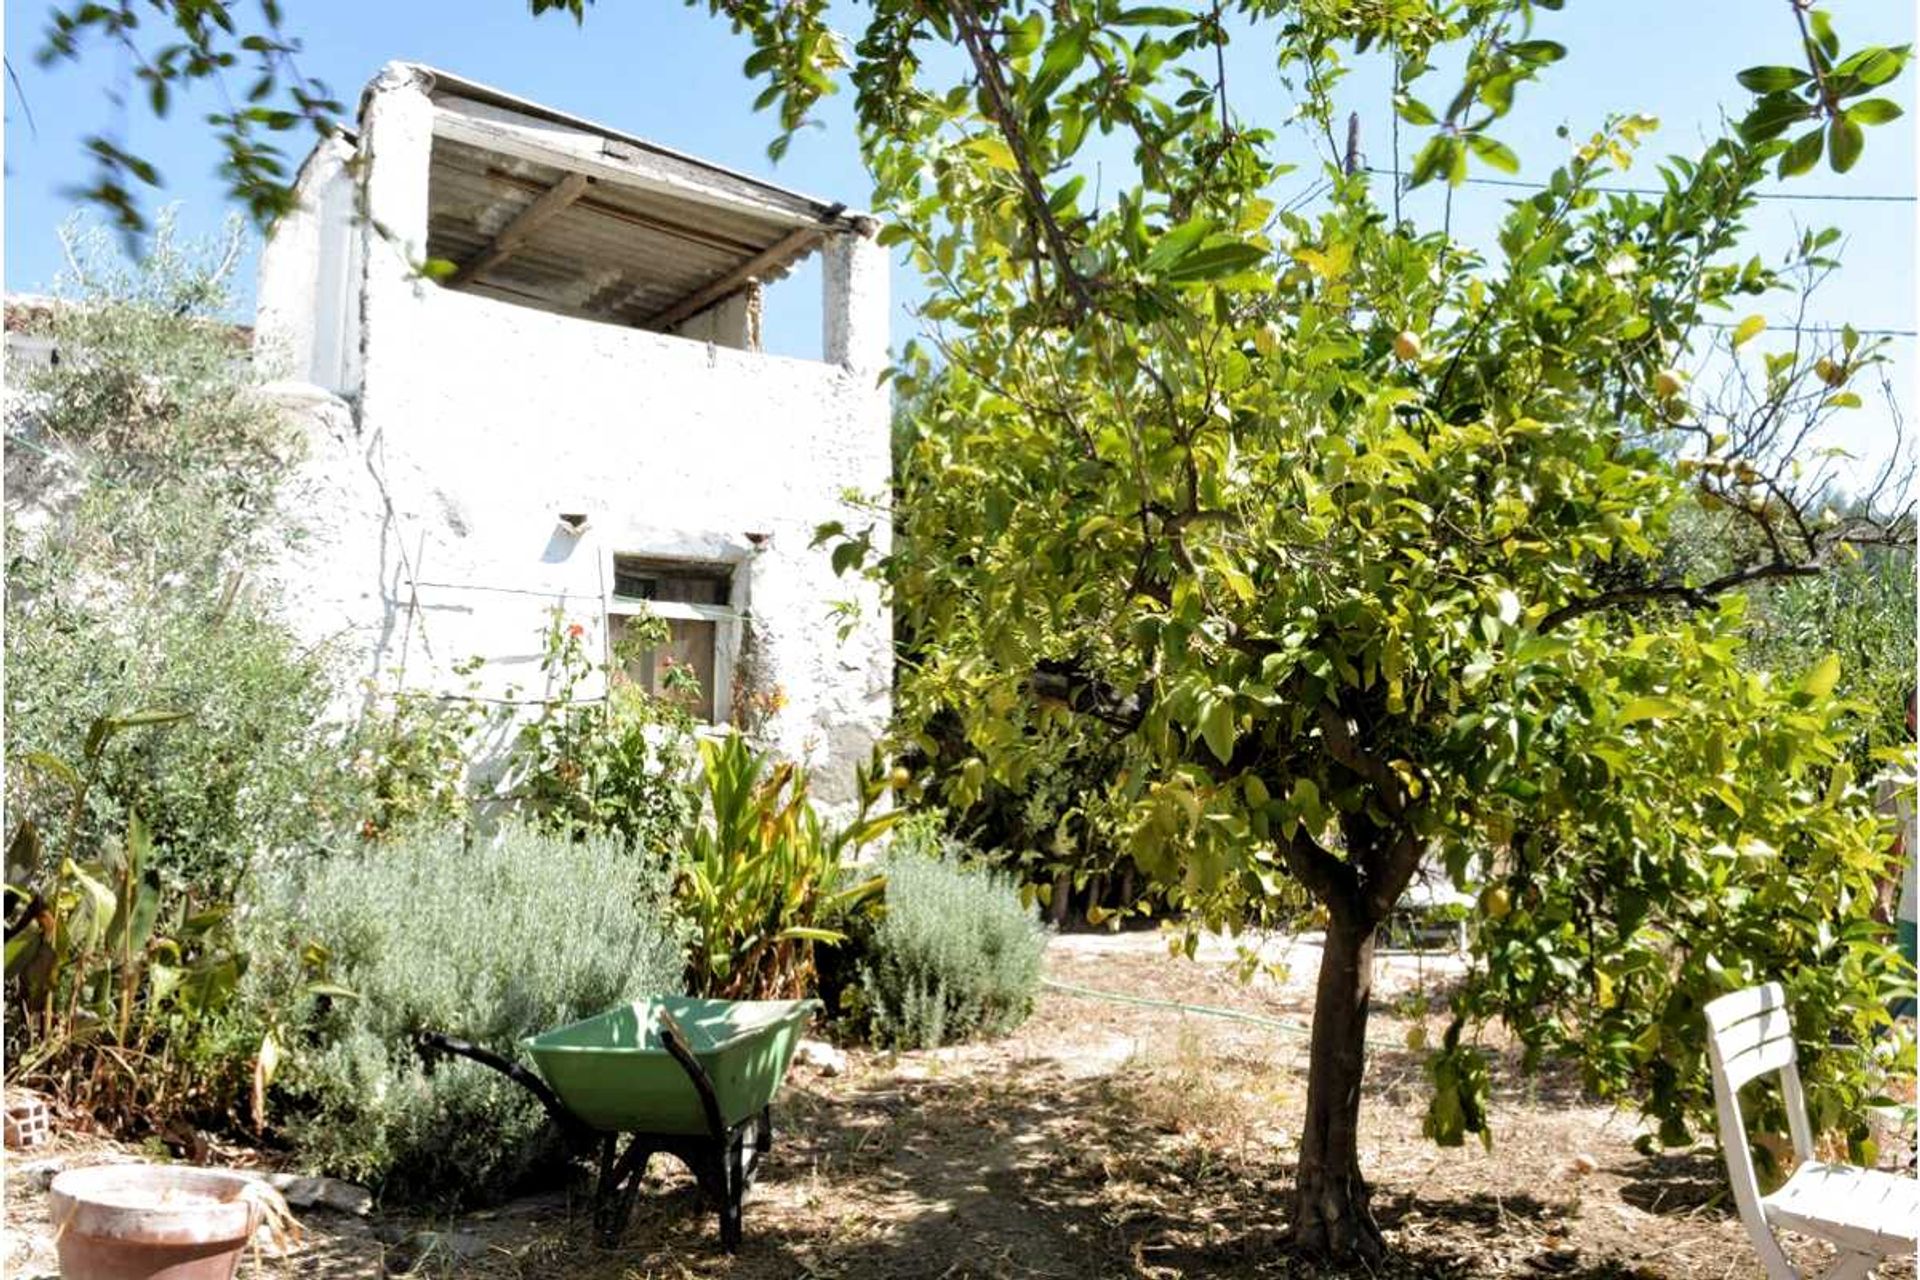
x,y
696,600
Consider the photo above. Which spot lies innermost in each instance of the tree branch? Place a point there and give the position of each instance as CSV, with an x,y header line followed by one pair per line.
x,y
1059,248
1328,878
1693,597
1338,735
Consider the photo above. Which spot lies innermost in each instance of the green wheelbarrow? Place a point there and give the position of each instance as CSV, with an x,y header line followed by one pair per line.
x,y
693,1079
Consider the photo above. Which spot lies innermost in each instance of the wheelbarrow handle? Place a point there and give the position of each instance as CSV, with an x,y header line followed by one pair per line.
x,y
430,1044
674,1037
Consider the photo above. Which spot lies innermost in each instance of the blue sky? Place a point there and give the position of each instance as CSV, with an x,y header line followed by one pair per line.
x,y
672,74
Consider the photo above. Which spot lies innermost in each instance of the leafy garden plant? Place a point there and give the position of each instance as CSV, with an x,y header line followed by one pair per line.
x,y
143,474
760,874
1349,539
618,762
165,733
112,985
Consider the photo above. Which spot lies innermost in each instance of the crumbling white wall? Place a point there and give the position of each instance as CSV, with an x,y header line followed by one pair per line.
x,y
434,505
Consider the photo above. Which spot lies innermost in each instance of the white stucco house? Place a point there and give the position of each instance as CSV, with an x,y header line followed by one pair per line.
x,y
526,348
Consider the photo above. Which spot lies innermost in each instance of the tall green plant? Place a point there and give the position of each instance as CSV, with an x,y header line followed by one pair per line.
x,y
760,874
1344,534
143,473
955,954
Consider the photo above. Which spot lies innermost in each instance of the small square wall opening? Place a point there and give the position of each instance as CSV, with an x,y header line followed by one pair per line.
x,y
696,600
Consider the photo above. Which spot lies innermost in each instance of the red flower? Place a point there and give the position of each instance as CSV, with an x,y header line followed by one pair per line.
x,y
575,631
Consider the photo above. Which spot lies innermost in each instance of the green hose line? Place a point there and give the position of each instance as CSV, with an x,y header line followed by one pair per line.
x,y
1211,1011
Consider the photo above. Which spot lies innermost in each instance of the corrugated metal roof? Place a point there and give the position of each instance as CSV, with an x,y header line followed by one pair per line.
x,y
619,251
448,82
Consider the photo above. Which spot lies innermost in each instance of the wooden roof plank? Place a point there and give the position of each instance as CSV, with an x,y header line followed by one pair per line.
x,y
778,254
524,224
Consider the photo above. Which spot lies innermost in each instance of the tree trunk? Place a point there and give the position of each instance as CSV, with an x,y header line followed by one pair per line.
x,y
1331,1216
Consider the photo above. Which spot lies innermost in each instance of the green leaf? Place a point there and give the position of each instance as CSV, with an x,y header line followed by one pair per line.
x,y
993,150
809,933
1819,682
1648,709
99,900
1176,244
1305,801
1749,329
1873,66
1153,16
1416,112
1538,51
1773,79
47,762
148,718
1023,36
1874,111
1217,727
1228,257
1063,195
1844,142
1063,57
1828,42
1773,115
1802,155
1433,160
1494,153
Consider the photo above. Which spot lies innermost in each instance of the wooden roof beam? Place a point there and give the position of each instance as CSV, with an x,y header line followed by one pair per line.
x,y
516,233
783,251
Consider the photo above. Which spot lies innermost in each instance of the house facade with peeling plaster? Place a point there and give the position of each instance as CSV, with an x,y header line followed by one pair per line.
x,y
526,352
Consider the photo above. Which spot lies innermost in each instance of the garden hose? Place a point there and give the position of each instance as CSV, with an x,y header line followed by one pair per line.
x,y
1208,1010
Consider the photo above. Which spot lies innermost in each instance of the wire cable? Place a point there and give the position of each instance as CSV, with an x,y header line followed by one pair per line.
x,y
1835,197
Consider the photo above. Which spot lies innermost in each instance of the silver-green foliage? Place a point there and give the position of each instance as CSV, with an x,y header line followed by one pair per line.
x,y
143,476
488,943
956,954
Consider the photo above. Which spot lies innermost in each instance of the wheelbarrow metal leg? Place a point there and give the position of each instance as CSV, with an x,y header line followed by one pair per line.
x,y
618,1186
736,1192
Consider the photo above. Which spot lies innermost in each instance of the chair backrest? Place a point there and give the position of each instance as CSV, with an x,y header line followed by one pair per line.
x,y
1750,1035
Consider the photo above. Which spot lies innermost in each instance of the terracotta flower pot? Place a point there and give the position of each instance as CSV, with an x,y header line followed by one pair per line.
x,y
150,1222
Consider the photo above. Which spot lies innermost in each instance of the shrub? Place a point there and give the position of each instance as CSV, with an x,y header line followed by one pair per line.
x,y
143,475
489,943
956,954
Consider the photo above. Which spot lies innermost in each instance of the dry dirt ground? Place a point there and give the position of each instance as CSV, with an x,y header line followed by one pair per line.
x,y
1103,1139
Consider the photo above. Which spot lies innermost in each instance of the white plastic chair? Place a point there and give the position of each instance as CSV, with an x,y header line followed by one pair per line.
x,y
1866,1214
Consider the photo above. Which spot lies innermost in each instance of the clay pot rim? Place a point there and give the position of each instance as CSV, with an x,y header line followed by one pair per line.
x,y
72,1197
